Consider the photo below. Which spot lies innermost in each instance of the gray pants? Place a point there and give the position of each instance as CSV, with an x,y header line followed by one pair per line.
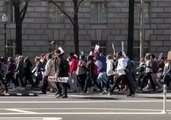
x,y
73,82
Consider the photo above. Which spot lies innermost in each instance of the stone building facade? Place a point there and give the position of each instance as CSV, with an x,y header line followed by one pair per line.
x,y
100,21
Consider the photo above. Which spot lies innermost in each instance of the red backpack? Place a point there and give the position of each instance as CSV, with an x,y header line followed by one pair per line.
x,y
96,72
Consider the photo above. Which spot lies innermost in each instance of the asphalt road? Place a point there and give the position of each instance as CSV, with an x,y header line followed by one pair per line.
x,y
85,107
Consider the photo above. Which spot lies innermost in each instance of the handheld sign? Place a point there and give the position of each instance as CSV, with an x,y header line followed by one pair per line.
x,y
62,79
160,56
59,79
169,55
96,47
62,51
123,51
113,47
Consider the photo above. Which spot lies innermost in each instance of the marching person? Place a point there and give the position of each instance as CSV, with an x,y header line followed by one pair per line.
x,y
81,72
148,72
167,73
20,70
37,71
28,71
109,71
62,70
72,69
92,71
49,71
11,66
122,73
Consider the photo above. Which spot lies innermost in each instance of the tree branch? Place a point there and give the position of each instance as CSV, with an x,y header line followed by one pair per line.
x,y
15,2
80,3
23,11
64,12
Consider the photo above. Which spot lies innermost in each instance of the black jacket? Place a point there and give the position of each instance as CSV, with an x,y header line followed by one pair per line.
x,y
62,66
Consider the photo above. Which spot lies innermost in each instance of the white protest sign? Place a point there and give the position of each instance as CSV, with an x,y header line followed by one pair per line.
x,y
113,47
96,47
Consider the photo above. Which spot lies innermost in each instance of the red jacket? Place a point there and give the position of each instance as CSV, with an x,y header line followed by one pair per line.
x,y
73,65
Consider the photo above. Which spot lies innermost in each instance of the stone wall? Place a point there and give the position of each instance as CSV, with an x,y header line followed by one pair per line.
x,y
37,31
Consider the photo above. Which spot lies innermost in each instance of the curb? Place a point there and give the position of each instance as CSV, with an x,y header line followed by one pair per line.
x,y
18,94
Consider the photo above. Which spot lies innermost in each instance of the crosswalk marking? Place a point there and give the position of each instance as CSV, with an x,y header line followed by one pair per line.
x,y
87,113
52,118
21,111
83,101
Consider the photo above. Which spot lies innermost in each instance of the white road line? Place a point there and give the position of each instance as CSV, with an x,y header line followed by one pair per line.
x,y
119,109
87,113
78,102
29,118
52,118
22,111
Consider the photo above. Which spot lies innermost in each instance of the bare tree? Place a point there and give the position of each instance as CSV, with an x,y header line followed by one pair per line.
x,y
19,17
73,19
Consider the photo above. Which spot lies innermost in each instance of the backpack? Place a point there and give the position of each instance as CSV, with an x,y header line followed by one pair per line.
x,y
95,72
155,66
65,67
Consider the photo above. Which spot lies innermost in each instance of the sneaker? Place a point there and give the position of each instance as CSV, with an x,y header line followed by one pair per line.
x,y
104,92
64,96
131,95
109,93
43,92
59,96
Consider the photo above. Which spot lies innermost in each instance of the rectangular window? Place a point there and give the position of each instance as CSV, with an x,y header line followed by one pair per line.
x,y
98,12
11,46
102,45
137,14
137,49
54,14
9,10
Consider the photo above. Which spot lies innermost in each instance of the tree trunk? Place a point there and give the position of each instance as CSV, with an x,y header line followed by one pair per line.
x,y
131,29
19,38
76,28
18,30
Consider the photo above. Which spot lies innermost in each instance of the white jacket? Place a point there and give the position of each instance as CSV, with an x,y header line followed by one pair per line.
x,y
122,63
109,68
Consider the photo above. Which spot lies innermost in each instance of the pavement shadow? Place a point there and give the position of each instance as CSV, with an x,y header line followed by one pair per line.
x,y
96,97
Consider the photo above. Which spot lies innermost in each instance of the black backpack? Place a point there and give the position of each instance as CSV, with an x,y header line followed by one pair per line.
x,y
65,67
155,66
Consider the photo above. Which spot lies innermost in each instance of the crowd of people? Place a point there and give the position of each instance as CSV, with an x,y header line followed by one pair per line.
x,y
93,73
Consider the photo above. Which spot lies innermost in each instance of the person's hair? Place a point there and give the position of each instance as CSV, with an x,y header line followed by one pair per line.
x,y
37,58
119,54
109,57
10,59
153,56
71,54
91,57
82,57
49,56
57,51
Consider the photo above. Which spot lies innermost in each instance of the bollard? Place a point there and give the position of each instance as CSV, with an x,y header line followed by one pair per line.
x,y
164,111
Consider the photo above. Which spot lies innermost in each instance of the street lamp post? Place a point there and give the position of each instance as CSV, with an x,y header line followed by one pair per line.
x,y
142,30
5,20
